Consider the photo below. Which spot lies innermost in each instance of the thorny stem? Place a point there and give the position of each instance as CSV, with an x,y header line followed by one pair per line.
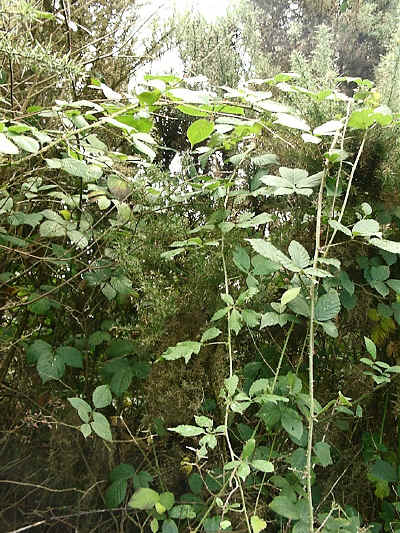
x,y
311,348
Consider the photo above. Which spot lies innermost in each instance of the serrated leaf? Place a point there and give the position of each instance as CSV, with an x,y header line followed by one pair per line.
x,y
121,381
26,143
144,499
6,146
299,254
78,403
50,228
339,227
257,524
284,506
388,246
241,259
231,384
292,423
383,471
234,322
289,295
292,121
188,431
102,396
86,430
182,350
262,466
209,334
366,227
122,471
50,367
394,284
269,251
72,356
169,526
371,347
101,426
327,306
119,347
182,512
269,319
116,493
328,128
200,130
323,452
248,449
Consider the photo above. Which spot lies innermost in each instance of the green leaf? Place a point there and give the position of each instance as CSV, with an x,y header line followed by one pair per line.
x,y
183,349
182,512
209,334
234,322
50,228
339,227
346,282
122,471
204,421
262,466
40,306
299,306
195,483
102,396
394,284
380,273
265,160
167,500
86,430
188,431
144,499
283,506
257,524
383,471
6,146
98,337
269,319
361,120
371,348
50,366
241,259
269,251
78,238
248,449
323,452
72,356
243,471
289,295
121,380
154,525
78,403
292,423
231,384
119,347
200,130
328,128
169,526
299,254
330,329
250,317
327,306
116,493
263,218
366,227
101,426
388,246
26,143
291,121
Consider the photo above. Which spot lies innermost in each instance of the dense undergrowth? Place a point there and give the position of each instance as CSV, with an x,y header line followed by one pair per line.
x,y
210,348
